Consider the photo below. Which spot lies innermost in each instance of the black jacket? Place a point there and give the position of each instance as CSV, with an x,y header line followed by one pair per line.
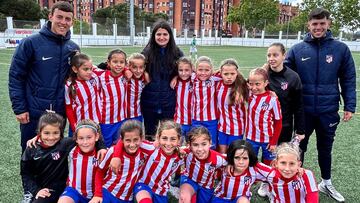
x,y
48,167
287,86
158,95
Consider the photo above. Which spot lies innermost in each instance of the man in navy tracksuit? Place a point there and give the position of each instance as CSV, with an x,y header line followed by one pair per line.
x,y
38,70
322,64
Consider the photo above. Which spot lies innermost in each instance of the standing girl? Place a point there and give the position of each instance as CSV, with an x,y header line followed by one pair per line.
x,y
201,164
287,85
113,106
205,109
184,92
158,99
82,163
135,86
81,92
287,185
244,170
263,125
154,180
232,115
44,168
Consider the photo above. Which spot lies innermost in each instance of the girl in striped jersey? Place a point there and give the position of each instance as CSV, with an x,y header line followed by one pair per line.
x,y
135,86
163,162
116,185
287,185
184,92
205,109
232,113
82,163
113,106
81,92
264,120
244,169
201,164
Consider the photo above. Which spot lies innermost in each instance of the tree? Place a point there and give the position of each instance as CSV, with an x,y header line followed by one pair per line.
x,y
21,9
254,14
344,13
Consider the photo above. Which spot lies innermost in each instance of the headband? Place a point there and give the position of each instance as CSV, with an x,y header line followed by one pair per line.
x,y
86,126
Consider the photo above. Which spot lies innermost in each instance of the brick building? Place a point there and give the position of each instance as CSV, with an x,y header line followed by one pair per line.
x,y
183,14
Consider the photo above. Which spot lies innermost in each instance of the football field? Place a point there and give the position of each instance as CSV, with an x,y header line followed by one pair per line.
x,y
345,170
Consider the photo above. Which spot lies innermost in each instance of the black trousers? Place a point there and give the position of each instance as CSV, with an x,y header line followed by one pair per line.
x,y
325,126
151,119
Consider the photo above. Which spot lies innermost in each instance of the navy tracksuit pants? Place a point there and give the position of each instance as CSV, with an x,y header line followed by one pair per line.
x,y
325,126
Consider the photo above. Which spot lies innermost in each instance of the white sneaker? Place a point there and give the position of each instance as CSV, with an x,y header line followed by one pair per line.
x,y
263,190
27,198
330,191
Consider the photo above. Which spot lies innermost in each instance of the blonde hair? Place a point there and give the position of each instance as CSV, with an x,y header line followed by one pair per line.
x,y
87,123
135,56
204,59
168,125
287,148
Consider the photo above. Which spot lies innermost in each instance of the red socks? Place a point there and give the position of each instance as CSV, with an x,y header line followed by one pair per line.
x,y
146,200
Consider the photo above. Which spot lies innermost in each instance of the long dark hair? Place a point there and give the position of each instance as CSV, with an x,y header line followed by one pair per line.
x,y
76,61
152,49
239,84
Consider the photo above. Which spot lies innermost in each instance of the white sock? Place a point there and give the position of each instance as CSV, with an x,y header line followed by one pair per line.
x,y
326,182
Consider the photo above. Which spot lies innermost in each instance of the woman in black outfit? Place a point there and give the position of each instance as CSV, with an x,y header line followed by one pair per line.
x,y
158,98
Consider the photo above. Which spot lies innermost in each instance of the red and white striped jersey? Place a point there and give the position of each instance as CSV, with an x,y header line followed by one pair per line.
x,y
292,190
82,168
86,104
232,186
97,70
158,170
263,109
121,185
205,108
231,117
112,98
203,171
184,92
133,93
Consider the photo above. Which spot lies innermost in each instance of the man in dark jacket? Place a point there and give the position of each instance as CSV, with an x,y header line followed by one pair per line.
x,y
38,70
322,64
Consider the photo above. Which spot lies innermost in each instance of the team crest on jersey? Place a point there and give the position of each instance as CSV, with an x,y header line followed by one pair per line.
x,y
190,88
95,161
211,169
92,82
247,180
265,106
208,83
284,85
296,185
329,58
55,155
141,162
123,80
174,166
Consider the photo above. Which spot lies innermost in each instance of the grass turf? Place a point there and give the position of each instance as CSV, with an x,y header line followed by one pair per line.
x,y
345,168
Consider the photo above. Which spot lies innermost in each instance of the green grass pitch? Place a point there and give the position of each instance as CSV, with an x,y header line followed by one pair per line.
x,y
345,170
